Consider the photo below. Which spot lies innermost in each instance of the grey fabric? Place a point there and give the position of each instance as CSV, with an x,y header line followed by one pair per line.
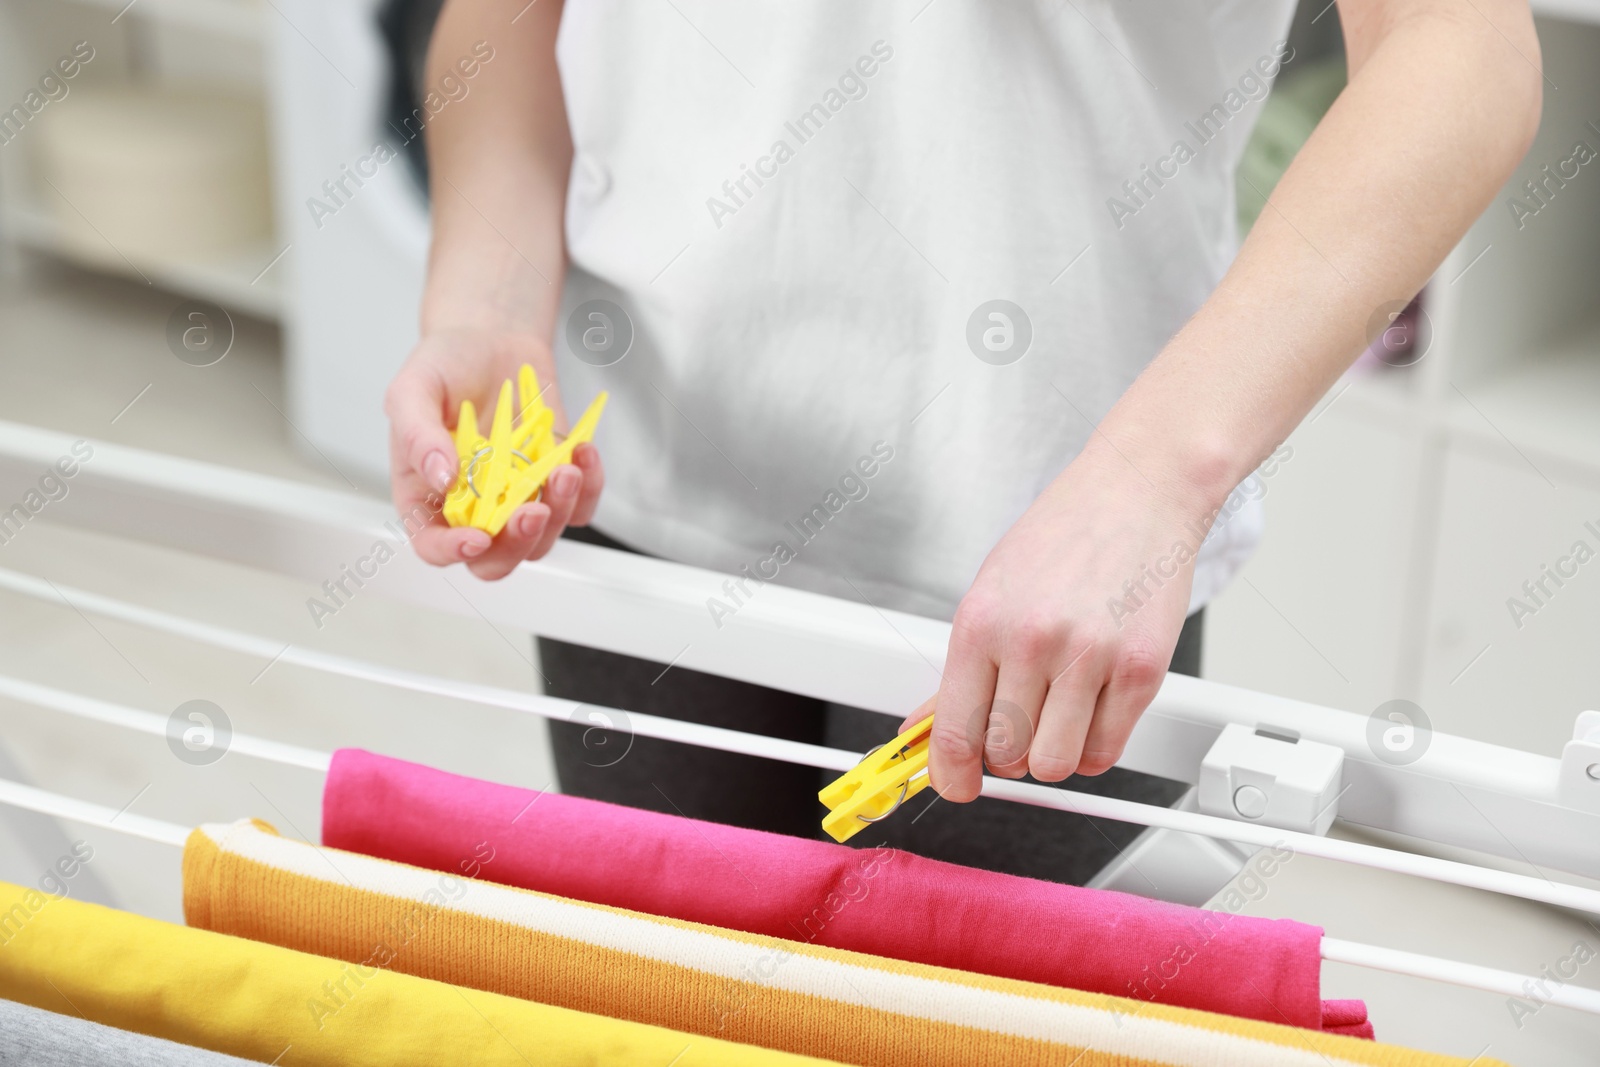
x,y
32,1037
764,794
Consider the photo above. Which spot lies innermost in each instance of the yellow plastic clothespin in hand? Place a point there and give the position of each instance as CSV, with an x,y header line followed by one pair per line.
x,y
525,483
871,791
499,473
469,443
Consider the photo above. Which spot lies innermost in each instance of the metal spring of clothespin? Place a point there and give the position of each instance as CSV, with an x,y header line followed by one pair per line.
x,y
490,486
875,788
472,466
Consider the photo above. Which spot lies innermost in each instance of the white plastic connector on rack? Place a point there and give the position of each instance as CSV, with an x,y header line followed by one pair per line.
x,y
1258,775
1579,787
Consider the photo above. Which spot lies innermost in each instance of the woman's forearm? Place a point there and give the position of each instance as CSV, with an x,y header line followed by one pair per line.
x,y
498,163
1440,107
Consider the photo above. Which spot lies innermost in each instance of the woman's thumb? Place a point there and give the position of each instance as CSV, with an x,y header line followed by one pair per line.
x,y
415,404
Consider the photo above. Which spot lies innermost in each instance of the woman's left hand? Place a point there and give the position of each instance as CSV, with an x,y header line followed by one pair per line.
x,y
1068,630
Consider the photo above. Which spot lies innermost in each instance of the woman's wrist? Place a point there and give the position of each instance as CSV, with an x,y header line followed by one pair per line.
x,y
472,288
1192,427
1188,467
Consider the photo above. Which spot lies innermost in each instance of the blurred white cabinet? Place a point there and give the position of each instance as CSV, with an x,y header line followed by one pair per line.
x,y
211,43
1513,678
355,283
1420,499
345,285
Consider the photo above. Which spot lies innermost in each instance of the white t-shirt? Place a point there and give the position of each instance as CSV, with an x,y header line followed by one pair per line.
x,y
806,213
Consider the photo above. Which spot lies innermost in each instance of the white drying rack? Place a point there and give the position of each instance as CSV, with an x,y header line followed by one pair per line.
x,y
1542,811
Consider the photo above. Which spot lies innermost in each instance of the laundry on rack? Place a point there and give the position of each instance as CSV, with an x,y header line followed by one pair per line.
x,y
271,1004
826,894
245,879
1346,1017
34,1037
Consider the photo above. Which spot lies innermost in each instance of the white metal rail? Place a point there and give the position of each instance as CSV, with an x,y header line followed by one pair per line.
x,y
1471,976
1459,792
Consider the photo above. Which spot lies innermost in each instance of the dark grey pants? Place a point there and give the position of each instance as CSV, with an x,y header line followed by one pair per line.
x,y
765,794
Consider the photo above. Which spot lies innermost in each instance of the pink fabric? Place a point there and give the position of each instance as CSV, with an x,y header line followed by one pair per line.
x,y
878,901
1347,1017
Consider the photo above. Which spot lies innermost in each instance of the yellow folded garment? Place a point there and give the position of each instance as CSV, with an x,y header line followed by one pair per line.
x,y
271,1004
244,879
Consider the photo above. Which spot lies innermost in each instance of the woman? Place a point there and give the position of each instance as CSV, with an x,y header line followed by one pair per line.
x,y
987,247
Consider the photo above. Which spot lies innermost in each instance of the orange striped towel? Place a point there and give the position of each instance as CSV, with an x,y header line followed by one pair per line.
x,y
246,880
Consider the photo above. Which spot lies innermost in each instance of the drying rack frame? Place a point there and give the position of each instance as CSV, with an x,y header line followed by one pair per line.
x,y
1462,793
1459,792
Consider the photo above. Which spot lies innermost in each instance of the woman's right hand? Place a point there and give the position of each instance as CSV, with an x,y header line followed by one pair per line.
x,y
422,401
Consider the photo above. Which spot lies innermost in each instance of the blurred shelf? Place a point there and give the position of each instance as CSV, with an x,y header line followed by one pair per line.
x,y
1573,10
243,19
238,280
1383,396
1547,403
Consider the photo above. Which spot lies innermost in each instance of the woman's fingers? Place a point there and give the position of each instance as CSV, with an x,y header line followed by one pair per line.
x,y
1067,711
924,709
533,528
424,466
1046,673
442,545
961,711
513,543
1137,672
560,495
1013,720
1028,692
586,457
530,533
419,440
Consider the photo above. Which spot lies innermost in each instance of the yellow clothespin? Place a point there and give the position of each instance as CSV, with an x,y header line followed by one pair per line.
x,y
495,474
871,791
469,443
525,483
498,473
